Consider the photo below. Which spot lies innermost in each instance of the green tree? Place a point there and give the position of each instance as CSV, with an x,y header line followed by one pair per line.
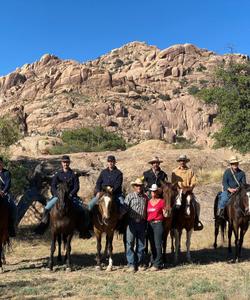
x,y
231,93
9,132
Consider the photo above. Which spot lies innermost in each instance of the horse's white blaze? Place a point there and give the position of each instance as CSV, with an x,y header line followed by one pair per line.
x,y
178,199
107,199
188,204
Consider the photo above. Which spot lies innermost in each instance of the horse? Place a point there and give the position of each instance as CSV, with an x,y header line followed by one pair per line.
x,y
219,223
169,193
105,218
237,213
184,218
63,221
4,233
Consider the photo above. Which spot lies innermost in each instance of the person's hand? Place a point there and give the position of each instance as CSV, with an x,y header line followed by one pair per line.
x,y
232,190
98,195
1,193
165,212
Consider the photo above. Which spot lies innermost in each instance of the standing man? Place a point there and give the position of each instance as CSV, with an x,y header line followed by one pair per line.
x,y
113,177
136,205
185,178
66,174
155,175
233,178
5,195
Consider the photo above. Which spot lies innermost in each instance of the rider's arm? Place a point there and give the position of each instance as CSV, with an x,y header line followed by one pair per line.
x,y
225,181
75,185
193,181
118,182
54,185
7,182
99,183
243,179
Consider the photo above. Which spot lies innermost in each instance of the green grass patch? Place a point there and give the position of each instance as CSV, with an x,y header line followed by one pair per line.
x,y
94,139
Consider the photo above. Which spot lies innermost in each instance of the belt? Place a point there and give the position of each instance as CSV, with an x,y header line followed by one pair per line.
x,y
138,220
155,221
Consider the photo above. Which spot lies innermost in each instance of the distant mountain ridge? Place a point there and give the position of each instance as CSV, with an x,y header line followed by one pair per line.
x,y
137,90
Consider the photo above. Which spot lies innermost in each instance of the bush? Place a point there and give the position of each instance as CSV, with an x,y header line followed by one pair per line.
x,y
9,132
183,143
193,89
89,140
231,93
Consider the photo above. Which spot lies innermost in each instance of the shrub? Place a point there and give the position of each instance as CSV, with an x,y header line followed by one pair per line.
x,y
193,89
9,132
201,68
89,140
165,97
183,143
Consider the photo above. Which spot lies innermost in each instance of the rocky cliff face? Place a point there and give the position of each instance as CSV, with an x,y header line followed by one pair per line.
x,y
136,90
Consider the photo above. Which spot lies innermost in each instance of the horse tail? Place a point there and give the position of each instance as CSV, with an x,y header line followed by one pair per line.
x,y
223,226
216,201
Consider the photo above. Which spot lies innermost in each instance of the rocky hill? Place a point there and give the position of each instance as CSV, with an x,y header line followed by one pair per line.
x,y
138,90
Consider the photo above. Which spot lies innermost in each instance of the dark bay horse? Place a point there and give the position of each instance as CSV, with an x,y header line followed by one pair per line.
x,y
237,213
4,234
169,194
105,218
184,218
63,221
219,223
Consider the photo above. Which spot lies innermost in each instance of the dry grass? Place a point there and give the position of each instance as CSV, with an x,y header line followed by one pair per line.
x,y
210,176
210,276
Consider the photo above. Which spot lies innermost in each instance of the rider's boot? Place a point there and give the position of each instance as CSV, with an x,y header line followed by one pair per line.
x,y
41,228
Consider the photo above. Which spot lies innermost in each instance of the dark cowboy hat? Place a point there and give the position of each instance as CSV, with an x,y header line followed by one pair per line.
x,y
155,159
111,158
183,157
65,158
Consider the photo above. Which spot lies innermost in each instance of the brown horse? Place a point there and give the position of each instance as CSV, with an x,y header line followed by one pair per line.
x,y
219,223
169,193
237,213
63,221
184,218
105,218
4,234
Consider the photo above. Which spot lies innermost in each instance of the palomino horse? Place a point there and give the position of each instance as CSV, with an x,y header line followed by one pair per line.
x,y
105,218
4,234
169,193
184,218
63,221
237,213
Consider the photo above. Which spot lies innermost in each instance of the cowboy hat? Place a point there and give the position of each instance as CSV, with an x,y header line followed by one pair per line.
x,y
65,158
183,157
111,158
234,159
155,159
154,188
138,181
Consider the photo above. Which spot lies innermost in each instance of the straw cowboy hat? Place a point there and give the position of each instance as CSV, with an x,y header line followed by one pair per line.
x,y
234,159
155,159
183,157
154,188
138,181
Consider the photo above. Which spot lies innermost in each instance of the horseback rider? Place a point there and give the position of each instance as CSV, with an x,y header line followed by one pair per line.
x,y
66,174
233,178
185,179
155,175
5,184
113,177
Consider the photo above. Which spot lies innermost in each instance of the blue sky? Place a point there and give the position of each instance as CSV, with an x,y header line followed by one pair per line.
x,y
85,29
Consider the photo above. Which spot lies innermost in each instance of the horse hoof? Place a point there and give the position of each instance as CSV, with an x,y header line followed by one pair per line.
x,y
68,269
215,246
109,269
98,268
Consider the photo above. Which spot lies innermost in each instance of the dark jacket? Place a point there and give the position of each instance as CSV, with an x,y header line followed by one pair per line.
x,y
113,178
69,177
229,181
151,178
5,181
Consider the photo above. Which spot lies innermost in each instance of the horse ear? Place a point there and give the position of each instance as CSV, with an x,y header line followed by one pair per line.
x,y
109,189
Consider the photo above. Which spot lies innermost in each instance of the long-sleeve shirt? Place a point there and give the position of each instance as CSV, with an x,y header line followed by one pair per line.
x,y
5,180
151,177
136,205
228,180
113,178
184,177
69,177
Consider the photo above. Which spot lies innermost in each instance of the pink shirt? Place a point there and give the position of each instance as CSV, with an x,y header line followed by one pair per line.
x,y
155,212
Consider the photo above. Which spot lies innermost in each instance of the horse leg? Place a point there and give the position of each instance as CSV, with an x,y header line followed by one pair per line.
x,y
188,243
236,234
243,230
59,240
3,257
68,261
110,250
52,250
1,251
216,231
230,230
65,248
98,248
172,241
164,246
177,244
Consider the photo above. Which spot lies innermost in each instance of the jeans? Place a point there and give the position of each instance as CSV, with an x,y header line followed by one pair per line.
x,y
77,203
223,199
155,232
135,240
12,208
119,199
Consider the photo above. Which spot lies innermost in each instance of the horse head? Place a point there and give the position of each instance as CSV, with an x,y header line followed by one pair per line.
x,y
105,204
169,192
244,198
63,195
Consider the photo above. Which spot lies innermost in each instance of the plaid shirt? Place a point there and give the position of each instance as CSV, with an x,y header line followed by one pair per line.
x,y
136,205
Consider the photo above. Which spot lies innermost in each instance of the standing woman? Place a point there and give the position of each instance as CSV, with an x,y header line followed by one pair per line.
x,y
155,216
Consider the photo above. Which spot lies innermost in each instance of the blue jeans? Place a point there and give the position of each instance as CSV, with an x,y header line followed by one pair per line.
x,y
12,207
135,240
223,199
119,199
155,232
77,203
